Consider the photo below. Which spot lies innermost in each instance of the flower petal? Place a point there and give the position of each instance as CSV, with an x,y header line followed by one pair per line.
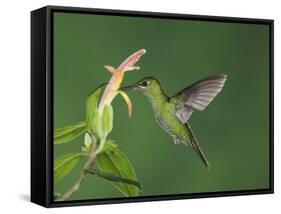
x,y
111,89
132,68
110,68
128,101
131,60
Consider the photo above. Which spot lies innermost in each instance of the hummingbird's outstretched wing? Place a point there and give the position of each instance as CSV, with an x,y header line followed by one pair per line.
x,y
197,96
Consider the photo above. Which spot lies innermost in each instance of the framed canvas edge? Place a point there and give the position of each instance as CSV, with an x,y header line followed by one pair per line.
x,y
149,14
49,105
38,152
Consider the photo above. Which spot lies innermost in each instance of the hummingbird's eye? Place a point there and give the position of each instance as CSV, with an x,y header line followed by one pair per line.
x,y
144,83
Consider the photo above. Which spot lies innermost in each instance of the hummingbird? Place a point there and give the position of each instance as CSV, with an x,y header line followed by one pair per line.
x,y
173,113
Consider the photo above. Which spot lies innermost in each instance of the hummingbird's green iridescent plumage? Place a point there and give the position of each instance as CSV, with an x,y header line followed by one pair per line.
x,y
173,113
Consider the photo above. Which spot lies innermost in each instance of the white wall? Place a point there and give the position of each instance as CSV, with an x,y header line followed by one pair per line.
x,y
15,107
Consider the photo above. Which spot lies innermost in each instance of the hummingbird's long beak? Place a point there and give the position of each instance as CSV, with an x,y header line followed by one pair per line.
x,y
133,87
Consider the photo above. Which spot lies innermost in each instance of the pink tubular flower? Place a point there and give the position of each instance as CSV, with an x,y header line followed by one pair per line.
x,y
113,86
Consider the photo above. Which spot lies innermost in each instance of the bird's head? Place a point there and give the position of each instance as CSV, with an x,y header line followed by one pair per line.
x,y
146,85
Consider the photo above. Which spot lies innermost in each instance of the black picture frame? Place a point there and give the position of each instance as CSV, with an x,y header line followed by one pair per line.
x,y
42,105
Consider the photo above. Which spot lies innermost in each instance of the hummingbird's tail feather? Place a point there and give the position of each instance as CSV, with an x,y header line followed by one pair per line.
x,y
194,144
201,154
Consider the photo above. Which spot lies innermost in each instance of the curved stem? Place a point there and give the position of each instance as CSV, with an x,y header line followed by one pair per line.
x,y
88,165
102,142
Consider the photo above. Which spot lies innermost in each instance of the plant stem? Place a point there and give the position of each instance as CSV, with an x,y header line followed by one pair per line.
x,y
88,165
102,142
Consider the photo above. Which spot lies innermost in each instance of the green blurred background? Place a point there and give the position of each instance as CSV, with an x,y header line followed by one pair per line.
x,y
233,131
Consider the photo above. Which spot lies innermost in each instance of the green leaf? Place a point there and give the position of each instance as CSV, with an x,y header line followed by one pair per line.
x,y
107,120
68,133
91,107
64,164
103,123
87,143
108,146
114,178
97,128
115,162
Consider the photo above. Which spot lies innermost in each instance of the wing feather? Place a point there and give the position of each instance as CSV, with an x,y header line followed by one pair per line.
x,y
198,96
